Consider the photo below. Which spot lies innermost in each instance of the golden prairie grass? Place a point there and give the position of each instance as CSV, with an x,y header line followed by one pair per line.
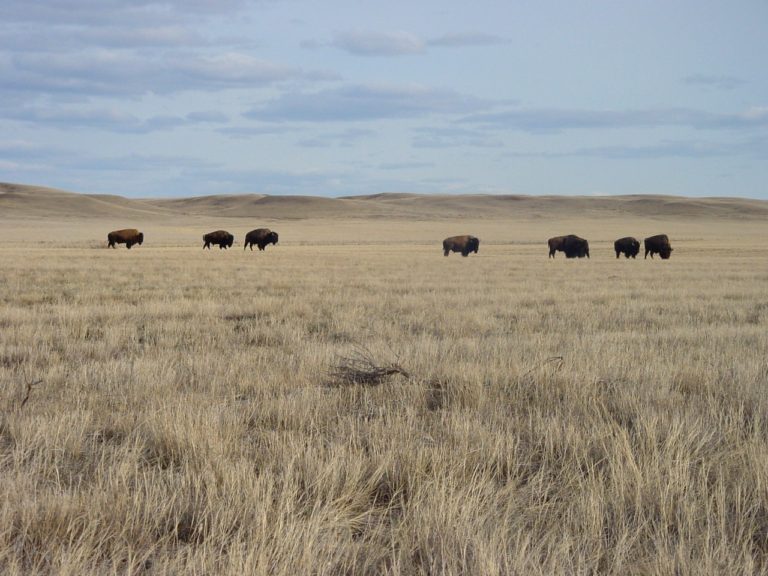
x,y
586,416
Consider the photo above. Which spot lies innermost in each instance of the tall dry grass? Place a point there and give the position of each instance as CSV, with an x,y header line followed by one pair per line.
x,y
191,415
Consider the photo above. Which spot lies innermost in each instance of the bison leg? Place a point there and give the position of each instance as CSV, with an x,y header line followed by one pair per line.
x,y
128,245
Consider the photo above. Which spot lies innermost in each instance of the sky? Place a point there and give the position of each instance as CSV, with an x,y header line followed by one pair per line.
x,y
153,98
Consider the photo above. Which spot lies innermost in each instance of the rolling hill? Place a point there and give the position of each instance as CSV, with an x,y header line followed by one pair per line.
x,y
22,201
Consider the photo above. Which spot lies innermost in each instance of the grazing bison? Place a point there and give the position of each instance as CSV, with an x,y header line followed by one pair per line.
x,y
129,237
555,245
575,247
221,237
261,237
464,244
571,245
628,246
658,244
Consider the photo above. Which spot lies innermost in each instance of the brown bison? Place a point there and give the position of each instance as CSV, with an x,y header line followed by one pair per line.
x,y
555,245
261,237
658,244
571,245
222,238
128,236
464,244
628,246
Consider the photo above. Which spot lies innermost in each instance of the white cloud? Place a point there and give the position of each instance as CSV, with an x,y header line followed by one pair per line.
x,y
462,39
721,82
400,43
552,120
451,137
364,102
100,12
128,73
366,43
110,119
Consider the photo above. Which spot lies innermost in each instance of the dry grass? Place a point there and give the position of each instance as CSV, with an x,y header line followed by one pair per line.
x,y
592,416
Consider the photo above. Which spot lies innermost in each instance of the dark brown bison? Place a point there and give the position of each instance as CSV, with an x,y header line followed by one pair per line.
x,y
464,244
555,245
222,238
571,245
658,244
261,237
575,247
128,236
628,246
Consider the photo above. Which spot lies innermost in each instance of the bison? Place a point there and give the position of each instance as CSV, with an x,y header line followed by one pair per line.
x,y
628,246
220,237
464,244
658,244
261,237
555,245
575,247
571,245
128,236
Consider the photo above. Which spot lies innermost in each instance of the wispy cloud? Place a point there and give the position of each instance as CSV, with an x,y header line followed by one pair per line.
x,y
109,119
451,137
59,39
364,102
246,132
558,120
461,39
366,43
721,82
692,149
400,43
100,12
394,166
126,73
344,138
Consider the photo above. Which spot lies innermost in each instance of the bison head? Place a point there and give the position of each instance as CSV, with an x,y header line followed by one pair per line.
x,y
230,241
140,238
473,245
272,238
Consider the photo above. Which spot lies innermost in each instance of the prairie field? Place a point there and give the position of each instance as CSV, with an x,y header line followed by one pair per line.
x,y
352,402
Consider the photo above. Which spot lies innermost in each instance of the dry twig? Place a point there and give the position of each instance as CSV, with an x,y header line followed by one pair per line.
x,y
556,361
360,367
30,384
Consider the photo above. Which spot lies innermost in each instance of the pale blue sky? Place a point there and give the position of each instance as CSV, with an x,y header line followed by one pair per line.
x,y
178,98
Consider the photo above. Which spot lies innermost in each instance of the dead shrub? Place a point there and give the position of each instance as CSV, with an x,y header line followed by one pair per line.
x,y
360,367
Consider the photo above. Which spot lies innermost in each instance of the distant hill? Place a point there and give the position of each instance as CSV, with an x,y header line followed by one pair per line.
x,y
21,201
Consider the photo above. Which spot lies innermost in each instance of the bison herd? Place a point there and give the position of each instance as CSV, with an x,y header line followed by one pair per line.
x,y
261,237
571,245
575,247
